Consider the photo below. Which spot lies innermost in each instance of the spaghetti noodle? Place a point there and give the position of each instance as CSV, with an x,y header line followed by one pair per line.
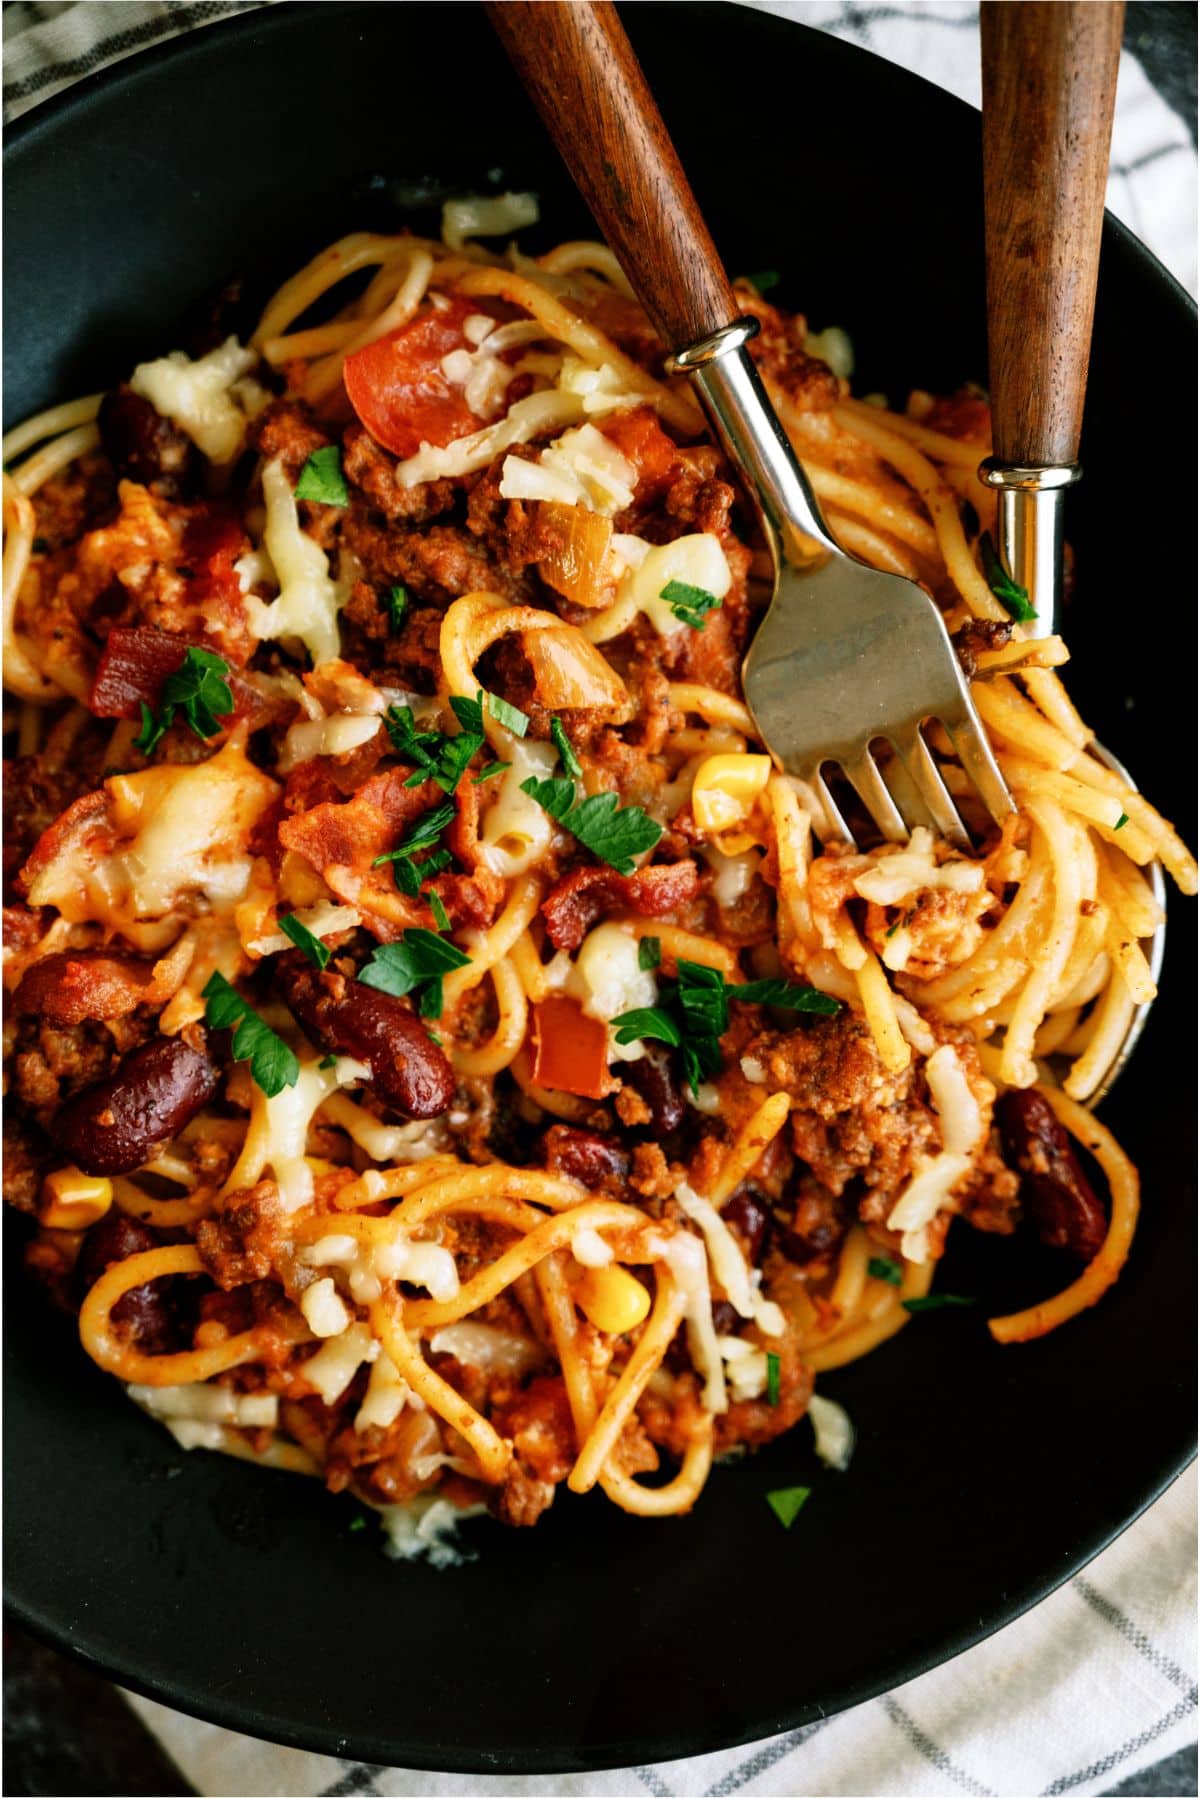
x,y
488,1076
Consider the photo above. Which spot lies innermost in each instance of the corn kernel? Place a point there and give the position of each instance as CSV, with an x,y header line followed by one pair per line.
x,y
612,1299
72,1200
725,789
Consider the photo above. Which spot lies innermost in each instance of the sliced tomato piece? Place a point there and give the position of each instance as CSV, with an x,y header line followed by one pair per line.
x,y
570,1050
397,387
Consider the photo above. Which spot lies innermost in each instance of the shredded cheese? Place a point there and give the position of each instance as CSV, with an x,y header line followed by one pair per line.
x,y
741,1286
607,981
309,600
582,468
480,216
517,831
200,397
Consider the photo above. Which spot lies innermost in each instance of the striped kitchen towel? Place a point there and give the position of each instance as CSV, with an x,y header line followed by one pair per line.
x,y
1098,1682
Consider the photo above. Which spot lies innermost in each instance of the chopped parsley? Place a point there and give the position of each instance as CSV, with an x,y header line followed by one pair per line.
x,y
613,832
357,1523
937,1301
773,1381
787,1502
326,1062
492,768
690,605
882,1267
566,749
423,835
272,1064
436,756
1122,820
765,279
649,953
1011,595
416,964
510,716
197,691
302,936
439,912
694,1013
397,605
321,478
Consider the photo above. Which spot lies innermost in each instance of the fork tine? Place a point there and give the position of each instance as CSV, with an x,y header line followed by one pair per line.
x,y
975,754
841,829
868,783
914,753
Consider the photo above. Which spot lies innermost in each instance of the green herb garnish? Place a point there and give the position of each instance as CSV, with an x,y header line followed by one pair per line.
x,y
423,835
397,605
765,279
1011,595
882,1267
510,716
357,1523
694,1013
787,1502
773,1383
302,936
326,1062
197,691
613,832
492,768
1122,820
562,742
416,964
649,953
439,912
689,604
436,756
321,478
272,1064
937,1301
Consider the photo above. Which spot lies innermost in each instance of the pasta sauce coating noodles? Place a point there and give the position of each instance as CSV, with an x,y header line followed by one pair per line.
x,y
447,1057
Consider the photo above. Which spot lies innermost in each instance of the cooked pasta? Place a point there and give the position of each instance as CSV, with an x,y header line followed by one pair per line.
x,y
446,1055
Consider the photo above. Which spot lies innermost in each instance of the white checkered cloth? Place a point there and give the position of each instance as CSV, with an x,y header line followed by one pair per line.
x,y
1099,1681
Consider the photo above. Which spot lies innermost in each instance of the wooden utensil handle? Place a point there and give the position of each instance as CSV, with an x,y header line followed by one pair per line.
x,y
1049,81
579,69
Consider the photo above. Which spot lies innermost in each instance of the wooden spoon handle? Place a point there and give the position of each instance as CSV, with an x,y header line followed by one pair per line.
x,y
579,69
1049,81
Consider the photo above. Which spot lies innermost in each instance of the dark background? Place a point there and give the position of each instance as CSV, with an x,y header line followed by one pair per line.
x,y
68,1731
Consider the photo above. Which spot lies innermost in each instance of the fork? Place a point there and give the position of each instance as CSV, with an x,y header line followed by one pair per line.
x,y
846,658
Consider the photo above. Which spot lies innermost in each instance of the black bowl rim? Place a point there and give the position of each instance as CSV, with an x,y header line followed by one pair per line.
x,y
228,1712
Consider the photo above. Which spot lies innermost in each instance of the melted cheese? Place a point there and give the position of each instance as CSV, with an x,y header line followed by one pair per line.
x,y
745,1367
923,1198
483,1345
199,396
741,1286
516,832
203,1403
309,599
684,1255
900,873
477,216
335,1364
424,1264
833,347
607,981
323,1309
338,735
385,1397
325,919
581,469
425,1529
956,1105
529,417
833,1431
696,560
277,1136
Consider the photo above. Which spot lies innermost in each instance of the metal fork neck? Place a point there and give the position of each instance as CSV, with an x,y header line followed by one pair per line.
x,y
732,395
1029,531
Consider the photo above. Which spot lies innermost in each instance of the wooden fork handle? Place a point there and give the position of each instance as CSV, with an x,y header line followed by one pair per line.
x,y
1049,81
579,69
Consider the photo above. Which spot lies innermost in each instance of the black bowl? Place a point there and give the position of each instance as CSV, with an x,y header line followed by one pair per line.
x,y
984,1476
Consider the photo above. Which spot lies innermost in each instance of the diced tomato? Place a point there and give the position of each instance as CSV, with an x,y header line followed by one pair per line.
x,y
570,1050
638,435
397,387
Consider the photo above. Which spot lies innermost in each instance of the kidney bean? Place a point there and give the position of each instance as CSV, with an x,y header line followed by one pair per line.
x,y
584,1155
117,1124
653,1078
145,1310
141,444
1065,1211
817,1227
747,1213
408,1071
